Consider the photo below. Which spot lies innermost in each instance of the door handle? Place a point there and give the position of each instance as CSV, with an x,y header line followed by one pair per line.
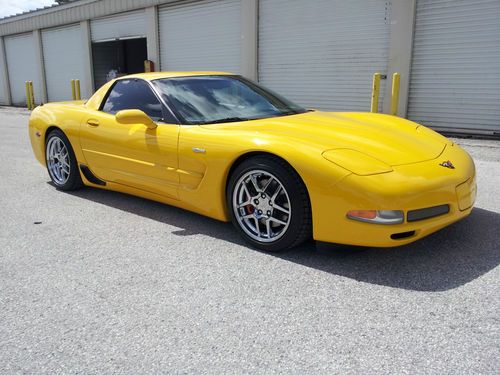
x,y
92,122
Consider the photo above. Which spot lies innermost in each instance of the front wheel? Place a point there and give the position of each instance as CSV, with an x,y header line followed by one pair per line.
x,y
269,204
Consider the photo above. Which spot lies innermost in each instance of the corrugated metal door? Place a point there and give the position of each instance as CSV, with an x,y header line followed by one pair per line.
x,y
455,74
323,53
201,36
64,61
23,66
125,25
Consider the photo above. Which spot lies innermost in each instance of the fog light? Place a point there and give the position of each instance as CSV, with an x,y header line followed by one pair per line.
x,y
377,217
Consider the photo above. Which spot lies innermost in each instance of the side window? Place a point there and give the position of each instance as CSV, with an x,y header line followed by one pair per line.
x,y
133,94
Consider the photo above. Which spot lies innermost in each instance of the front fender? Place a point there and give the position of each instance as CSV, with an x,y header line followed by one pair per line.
x,y
204,175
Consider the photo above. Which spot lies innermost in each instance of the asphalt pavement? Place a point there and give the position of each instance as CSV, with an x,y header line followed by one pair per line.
x,y
100,282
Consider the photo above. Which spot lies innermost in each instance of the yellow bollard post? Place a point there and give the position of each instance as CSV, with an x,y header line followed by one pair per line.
x,y
73,93
32,93
78,95
28,95
395,94
375,92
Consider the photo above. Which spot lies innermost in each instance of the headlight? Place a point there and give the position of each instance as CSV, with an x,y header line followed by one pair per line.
x,y
377,217
356,162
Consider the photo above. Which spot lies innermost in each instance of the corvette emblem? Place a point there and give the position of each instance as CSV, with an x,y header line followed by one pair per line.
x,y
447,164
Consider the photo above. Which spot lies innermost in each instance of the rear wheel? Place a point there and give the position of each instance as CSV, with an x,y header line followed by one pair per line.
x,y
269,204
61,162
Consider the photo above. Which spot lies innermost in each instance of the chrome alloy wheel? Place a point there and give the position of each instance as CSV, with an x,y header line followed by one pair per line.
x,y
262,206
57,160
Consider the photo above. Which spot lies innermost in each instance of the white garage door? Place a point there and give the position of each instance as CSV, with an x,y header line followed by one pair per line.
x,y
455,75
22,66
64,61
201,36
125,25
323,54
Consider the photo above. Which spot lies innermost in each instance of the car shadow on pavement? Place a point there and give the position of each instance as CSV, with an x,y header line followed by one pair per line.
x,y
444,260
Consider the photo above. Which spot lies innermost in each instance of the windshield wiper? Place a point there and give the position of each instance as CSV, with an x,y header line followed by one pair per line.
x,y
228,119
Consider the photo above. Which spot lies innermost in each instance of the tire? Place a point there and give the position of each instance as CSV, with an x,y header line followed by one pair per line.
x,y
61,162
269,204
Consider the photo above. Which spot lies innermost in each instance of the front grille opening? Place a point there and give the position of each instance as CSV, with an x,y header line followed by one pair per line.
x,y
427,213
402,235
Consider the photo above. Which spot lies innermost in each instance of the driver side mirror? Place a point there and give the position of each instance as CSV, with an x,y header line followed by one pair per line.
x,y
135,116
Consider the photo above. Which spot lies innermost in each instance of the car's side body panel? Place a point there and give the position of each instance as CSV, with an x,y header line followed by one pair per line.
x,y
132,155
204,184
66,116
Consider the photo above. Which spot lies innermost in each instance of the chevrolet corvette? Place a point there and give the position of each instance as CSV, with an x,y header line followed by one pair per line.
x,y
225,147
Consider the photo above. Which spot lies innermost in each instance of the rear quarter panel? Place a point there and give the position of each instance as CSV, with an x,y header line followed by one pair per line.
x,y
64,116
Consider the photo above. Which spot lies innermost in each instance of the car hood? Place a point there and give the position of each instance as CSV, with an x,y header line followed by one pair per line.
x,y
390,139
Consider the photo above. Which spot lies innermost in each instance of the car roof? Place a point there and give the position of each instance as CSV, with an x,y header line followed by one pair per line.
x,y
95,101
158,75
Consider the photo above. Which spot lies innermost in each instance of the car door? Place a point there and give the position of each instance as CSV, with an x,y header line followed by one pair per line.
x,y
132,154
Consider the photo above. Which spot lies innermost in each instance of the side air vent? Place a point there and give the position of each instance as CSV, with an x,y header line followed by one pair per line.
x,y
90,176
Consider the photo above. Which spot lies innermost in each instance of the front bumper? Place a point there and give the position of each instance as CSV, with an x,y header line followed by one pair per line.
x,y
409,187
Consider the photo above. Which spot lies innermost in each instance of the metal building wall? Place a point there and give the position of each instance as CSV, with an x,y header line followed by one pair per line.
x,y
453,37
3,75
124,25
71,13
3,97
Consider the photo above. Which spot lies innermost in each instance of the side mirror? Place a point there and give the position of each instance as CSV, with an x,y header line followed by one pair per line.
x,y
135,116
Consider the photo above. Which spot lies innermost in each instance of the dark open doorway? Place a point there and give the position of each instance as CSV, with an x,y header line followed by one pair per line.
x,y
117,57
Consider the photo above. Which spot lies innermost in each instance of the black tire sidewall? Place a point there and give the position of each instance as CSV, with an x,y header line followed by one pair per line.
x,y
74,179
292,184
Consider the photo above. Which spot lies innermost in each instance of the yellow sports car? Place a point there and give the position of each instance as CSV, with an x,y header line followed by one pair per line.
x,y
223,146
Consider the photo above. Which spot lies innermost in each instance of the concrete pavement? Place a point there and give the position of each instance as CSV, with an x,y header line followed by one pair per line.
x,y
109,283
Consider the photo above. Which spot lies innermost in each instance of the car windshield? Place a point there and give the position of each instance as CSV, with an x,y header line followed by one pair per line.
x,y
215,99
